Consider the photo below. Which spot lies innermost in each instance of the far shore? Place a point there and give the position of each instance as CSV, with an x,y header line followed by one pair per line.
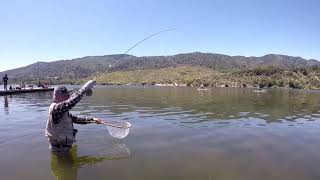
x,y
184,85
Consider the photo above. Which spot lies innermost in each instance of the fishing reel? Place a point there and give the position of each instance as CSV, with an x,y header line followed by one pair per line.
x,y
89,92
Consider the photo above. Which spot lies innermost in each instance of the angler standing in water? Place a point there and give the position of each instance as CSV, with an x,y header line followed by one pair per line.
x,y
59,129
5,82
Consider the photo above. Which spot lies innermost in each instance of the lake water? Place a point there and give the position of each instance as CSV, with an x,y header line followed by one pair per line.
x,y
177,133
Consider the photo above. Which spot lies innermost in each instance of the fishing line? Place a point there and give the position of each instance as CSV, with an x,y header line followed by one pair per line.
x,y
120,129
135,45
89,92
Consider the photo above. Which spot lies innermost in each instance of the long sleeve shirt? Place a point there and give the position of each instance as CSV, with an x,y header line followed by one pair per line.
x,y
68,104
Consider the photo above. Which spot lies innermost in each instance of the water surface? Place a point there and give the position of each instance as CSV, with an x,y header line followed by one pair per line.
x,y
177,133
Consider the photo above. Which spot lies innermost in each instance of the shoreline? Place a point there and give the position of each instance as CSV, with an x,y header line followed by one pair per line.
x,y
206,87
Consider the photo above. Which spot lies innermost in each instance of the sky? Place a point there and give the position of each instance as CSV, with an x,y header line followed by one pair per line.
x,y
49,30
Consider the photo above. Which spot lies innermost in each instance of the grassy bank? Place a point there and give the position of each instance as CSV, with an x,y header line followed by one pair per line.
x,y
195,76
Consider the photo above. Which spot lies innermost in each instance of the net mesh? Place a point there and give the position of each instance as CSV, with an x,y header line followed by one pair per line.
x,y
120,130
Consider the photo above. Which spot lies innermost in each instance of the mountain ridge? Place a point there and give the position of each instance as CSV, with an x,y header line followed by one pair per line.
x,y
83,67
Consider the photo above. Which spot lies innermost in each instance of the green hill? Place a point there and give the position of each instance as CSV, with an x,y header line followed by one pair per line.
x,y
268,76
71,71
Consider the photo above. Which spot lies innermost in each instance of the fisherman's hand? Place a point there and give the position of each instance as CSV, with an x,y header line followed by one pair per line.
x,y
89,85
97,121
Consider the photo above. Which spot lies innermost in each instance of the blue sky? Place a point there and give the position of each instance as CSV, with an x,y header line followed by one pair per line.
x,y
48,30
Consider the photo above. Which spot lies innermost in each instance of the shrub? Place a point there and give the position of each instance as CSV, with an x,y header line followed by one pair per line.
x,y
294,85
291,84
279,83
271,83
267,71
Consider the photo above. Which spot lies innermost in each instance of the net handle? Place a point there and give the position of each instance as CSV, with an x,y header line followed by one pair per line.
x,y
113,125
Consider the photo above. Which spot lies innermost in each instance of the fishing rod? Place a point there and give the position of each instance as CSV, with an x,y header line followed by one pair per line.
x,y
89,92
120,129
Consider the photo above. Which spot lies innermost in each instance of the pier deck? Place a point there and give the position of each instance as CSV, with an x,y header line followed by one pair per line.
x,y
9,92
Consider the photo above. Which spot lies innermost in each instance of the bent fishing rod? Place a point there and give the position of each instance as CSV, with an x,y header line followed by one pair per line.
x,y
117,59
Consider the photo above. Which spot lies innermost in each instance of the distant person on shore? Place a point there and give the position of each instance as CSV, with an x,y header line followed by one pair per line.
x,y
42,85
22,85
5,82
59,129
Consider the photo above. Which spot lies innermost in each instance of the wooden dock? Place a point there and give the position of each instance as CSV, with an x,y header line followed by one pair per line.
x,y
9,92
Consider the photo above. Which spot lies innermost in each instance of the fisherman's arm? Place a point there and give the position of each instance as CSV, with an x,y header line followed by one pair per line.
x,y
68,104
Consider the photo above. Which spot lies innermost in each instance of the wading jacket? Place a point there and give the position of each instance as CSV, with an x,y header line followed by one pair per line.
x,y
59,129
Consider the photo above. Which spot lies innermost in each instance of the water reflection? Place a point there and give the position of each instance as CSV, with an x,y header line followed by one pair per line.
x,y
6,104
65,166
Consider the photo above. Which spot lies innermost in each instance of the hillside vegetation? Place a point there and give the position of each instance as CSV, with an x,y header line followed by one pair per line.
x,y
186,69
268,76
